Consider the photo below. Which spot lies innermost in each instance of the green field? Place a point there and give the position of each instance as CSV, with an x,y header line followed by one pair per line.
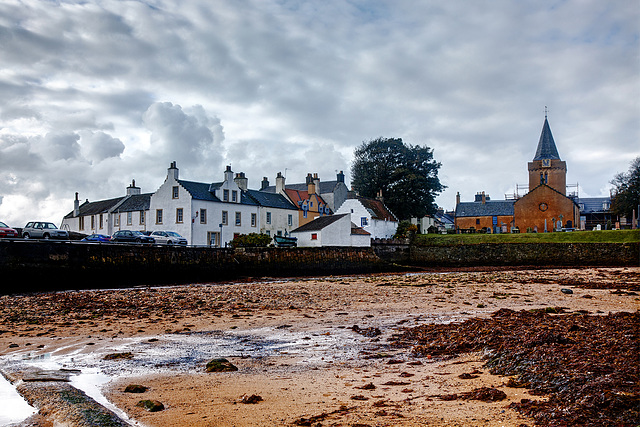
x,y
610,236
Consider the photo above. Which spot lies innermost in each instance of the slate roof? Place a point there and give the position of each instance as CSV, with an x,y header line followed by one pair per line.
x,y
271,200
546,146
593,204
319,223
136,202
205,191
489,208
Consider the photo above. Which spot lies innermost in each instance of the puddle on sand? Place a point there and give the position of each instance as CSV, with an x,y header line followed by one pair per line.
x,y
13,408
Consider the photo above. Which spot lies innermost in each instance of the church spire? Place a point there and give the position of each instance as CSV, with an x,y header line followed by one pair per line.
x,y
546,146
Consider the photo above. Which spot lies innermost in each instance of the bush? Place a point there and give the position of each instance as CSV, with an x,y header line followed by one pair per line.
x,y
251,240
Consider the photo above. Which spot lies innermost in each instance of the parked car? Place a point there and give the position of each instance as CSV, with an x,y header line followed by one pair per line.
x,y
168,238
43,230
102,238
6,231
131,237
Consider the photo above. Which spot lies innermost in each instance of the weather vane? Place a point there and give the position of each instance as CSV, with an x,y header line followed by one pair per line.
x,y
545,111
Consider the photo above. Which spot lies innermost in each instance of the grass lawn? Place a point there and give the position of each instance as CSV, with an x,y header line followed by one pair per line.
x,y
608,236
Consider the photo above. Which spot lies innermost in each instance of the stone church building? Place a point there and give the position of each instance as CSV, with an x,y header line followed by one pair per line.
x,y
544,208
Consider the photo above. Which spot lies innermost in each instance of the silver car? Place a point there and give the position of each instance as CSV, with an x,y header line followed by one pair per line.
x,y
168,238
43,230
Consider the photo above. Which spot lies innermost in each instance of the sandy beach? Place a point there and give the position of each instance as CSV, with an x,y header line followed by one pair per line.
x,y
315,351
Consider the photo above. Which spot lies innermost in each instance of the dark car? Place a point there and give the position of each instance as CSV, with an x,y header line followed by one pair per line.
x,y
6,231
102,238
43,230
131,237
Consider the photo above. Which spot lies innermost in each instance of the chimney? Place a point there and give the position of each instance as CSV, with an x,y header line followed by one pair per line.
x,y
242,181
173,171
228,174
340,177
280,183
311,187
132,189
484,198
76,206
265,183
316,182
379,196
457,198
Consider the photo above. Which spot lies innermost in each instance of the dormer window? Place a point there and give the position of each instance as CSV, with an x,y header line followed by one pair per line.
x,y
176,192
234,196
225,195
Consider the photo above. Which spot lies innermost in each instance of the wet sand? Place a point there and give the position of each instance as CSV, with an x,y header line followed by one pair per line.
x,y
295,344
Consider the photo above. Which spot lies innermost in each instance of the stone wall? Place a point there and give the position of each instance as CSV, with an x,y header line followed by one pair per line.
x,y
29,266
515,254
48,265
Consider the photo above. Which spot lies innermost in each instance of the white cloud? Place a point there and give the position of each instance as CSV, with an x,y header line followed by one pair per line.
x,y
111,91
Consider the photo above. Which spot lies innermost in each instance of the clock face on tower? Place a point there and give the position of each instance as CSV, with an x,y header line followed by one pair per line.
x,y
546,163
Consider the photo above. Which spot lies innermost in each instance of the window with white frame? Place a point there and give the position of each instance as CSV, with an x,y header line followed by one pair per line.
x,y
290,219
234,196
225,195
158,216
142,215
268,217
238,219
203,216
225,218
175,194
179,215
129,218
254,220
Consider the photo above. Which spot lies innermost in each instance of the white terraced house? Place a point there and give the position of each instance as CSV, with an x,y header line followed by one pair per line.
x,y
206,214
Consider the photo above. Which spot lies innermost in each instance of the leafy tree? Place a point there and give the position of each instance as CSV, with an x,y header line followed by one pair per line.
x,y
406,174
626,194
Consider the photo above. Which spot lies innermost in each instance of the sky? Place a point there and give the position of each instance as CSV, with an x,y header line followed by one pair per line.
x,y
95,94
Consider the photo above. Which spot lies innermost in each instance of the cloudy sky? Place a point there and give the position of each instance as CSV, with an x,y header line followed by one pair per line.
x,y
96,93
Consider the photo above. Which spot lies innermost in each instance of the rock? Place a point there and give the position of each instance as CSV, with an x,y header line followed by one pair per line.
x,y
253,399
151,405
117,356
220,365
566,291
135,388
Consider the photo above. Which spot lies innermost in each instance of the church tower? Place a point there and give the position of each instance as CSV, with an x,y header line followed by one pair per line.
x,y
547,167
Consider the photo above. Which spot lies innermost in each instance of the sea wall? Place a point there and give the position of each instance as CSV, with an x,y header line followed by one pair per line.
x,y
514,254
29,266
50,265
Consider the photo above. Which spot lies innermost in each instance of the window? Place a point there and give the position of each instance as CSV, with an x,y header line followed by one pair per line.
x,y
238,219
268,232
203,216
93,222
80,223
304,214
314,236
225,218
116,219
234,196
279,233
477,221
225,195
101,220
179,215
129,218
158,216
290,220
364,221
141,218
254,220
268,217
213,239
176,192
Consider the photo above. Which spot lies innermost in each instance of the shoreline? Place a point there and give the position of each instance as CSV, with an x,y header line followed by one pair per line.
x,y
308,319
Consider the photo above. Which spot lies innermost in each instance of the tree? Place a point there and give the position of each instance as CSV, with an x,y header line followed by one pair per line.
x,y
407,176
626,193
